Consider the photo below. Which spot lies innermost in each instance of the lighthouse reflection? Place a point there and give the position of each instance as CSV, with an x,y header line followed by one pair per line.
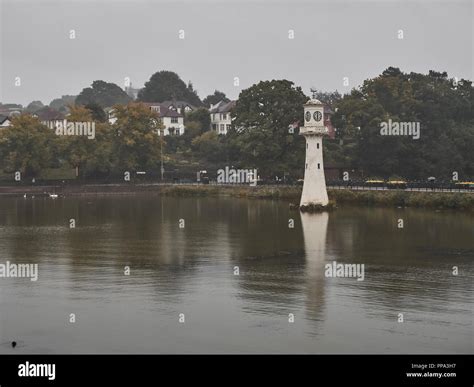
x,y
282,268
314,233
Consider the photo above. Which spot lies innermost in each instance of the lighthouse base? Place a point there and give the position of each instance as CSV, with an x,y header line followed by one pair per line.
x,y
313,208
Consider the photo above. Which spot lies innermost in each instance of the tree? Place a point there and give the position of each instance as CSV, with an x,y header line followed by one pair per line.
x,y
62,104
136,140
26,146
97,113
208,147
329,98
262,115
442,108
104,94
212,99
91,156
34,106
166,85
201,117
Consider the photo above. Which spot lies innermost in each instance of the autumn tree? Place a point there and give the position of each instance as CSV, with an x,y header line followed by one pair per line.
x,y
136,143
26,146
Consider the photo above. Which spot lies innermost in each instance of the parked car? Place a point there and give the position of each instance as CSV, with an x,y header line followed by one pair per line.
x,y
396,184
465,185
374,183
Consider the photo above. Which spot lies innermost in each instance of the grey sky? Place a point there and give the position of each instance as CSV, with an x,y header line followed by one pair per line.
x,y
223,40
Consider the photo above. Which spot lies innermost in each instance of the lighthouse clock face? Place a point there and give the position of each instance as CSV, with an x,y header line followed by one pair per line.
x,y
317,116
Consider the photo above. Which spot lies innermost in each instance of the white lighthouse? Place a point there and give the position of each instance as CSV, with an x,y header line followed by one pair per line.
x,y
314,187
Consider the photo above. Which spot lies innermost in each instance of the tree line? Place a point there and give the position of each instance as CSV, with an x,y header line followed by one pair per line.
x,y
260,137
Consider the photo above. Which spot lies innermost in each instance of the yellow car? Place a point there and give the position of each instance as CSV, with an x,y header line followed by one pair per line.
x,y
396,184
375,183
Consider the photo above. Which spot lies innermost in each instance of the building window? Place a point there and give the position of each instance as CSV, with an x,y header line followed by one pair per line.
x,y
317,145
319,166
228,127
214,127
306,145
174,120
221,130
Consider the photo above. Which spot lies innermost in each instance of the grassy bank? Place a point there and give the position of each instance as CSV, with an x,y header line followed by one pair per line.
x,y
292,194
262,192
437,200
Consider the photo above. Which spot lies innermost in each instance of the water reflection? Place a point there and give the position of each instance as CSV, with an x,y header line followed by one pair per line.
x,y
191,270
314,232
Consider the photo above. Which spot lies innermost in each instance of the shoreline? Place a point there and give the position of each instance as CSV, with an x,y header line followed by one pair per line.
x,y
291,194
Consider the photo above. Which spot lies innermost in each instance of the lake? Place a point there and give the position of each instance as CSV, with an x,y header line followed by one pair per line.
x,y
229,275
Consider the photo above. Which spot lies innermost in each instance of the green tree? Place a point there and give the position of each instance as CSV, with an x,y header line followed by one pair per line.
x,y
97,113
34,106
263,114
208,147
214,98
62,104
104,94
443,109
166,85
26,146
329,98
201,117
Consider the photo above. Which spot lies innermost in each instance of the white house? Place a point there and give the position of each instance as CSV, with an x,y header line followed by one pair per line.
x,y
4,121
172,121
221,119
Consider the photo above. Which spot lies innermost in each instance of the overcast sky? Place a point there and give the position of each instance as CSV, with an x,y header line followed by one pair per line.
x,y
223,40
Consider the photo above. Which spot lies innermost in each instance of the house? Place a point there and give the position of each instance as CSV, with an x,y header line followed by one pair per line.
x,y
221,119
10,109
4,121
109,112
172,121
49,116
182,107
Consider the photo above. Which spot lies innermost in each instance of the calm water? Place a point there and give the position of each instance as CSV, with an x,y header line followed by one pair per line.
x,y
190,270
